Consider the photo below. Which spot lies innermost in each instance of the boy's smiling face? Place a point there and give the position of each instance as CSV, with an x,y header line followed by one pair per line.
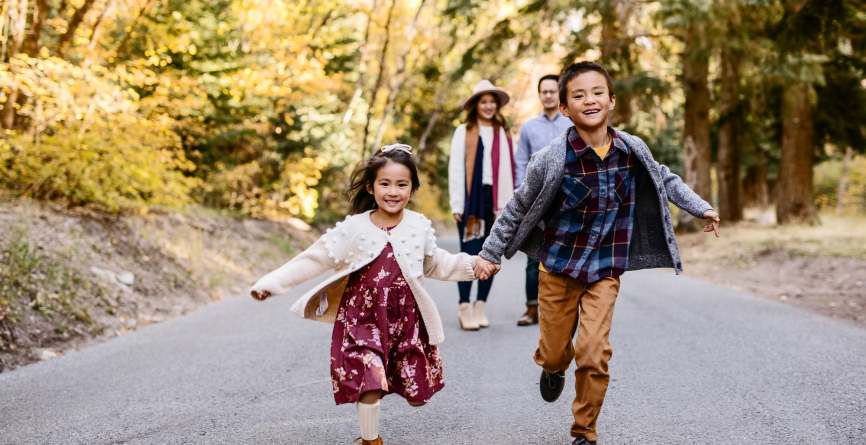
x,y
589,101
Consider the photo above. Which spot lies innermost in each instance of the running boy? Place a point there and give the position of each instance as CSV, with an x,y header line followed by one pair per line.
x,y
593,205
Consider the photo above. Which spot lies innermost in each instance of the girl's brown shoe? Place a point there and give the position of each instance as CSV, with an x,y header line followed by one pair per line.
x,y
377,441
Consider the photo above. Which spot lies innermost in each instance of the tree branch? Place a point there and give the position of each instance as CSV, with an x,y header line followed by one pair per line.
x,y
74,23
128,36
379,79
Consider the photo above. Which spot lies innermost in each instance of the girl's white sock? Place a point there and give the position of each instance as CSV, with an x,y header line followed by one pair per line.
x,y
368,418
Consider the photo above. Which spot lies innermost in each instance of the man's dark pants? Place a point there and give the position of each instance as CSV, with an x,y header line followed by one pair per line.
x,y
531,282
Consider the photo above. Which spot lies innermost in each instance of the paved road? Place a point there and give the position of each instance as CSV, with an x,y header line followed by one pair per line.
x,y
693,363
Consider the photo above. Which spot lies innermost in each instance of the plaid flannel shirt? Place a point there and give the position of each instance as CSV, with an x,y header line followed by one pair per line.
x,y
588,228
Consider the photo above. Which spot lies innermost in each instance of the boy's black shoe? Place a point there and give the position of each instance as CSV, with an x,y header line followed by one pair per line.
x,y
551,385
580,440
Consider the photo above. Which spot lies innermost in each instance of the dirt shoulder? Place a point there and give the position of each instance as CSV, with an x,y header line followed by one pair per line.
x,y
817,268
106,275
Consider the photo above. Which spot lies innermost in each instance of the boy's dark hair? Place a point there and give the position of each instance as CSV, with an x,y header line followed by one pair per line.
x,y
553,77
365,174
576,69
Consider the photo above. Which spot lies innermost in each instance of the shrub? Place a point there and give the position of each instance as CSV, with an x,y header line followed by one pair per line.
x,y
826,182
125,163
240,188
85,141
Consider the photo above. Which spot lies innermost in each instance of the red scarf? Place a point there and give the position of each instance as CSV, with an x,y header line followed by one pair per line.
x,y
475,223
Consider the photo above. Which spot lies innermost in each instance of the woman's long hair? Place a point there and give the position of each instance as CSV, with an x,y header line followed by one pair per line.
x,y
472,114
365,174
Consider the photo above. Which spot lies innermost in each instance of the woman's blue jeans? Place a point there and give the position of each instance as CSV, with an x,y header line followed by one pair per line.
x,y
474,247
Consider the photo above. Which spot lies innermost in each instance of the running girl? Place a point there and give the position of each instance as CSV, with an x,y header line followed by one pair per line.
x,y
386,326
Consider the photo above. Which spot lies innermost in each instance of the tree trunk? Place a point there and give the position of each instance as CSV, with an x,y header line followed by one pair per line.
x,y
615,15
74,23
362,63
31,47
730,140
122,46
379,80
796,200
422,141
107,10
843,179
756,190
697,123
398,80
17,27
4,29
96,32
32,43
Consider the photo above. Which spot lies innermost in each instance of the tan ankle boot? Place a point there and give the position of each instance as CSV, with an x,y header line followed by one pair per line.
x,y
479,314
377,441
467,318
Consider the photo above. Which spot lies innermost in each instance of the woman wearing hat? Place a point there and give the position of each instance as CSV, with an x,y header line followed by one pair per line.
x,y
480,182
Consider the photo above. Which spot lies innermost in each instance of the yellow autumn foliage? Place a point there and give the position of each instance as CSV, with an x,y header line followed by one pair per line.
x,y
826,181
86,142
238,188
120,165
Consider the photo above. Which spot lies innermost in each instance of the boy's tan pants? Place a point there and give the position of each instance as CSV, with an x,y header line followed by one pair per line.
x,y
562,302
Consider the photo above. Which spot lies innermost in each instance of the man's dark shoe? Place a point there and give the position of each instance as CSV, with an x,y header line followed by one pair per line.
x,y
582,441
530,317
551,385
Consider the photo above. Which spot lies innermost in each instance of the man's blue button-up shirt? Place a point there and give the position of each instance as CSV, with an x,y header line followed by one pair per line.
x,y
536,134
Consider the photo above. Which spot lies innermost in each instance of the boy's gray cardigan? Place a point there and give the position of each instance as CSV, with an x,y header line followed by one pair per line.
x,y
652,241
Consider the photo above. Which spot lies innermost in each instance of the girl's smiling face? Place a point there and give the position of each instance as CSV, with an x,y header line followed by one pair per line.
x,y
392,188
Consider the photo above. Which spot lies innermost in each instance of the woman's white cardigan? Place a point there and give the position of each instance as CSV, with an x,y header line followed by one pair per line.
x,y
457,171
353,244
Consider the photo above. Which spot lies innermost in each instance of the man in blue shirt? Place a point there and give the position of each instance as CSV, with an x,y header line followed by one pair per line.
x,y
536,134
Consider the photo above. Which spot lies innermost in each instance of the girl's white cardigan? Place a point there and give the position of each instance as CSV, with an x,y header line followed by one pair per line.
x,y
353,244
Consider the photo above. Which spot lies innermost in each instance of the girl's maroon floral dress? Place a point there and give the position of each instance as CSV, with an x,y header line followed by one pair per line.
x,y
379,339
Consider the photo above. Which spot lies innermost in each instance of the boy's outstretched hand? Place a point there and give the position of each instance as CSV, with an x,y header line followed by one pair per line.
x,y
260,296
485,269
714,226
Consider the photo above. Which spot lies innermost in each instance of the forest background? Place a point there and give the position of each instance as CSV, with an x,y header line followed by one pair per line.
x,y
157,154
262,107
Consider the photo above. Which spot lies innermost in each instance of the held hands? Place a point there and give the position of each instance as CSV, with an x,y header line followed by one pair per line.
x,y
260,296
714,225
485,269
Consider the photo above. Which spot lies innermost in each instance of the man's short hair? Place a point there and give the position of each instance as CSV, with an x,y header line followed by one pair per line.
x,y
576,69
553,77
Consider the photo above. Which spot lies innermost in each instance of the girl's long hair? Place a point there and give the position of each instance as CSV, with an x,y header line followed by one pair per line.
x,y
365,174
472,114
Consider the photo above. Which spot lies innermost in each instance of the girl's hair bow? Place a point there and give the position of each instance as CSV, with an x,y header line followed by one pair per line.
x,y
403,147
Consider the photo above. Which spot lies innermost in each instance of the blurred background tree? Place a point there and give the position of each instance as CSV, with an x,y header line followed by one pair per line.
x,y
262,108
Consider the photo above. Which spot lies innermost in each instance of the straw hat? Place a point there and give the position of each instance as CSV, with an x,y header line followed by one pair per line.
x,y
484,87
